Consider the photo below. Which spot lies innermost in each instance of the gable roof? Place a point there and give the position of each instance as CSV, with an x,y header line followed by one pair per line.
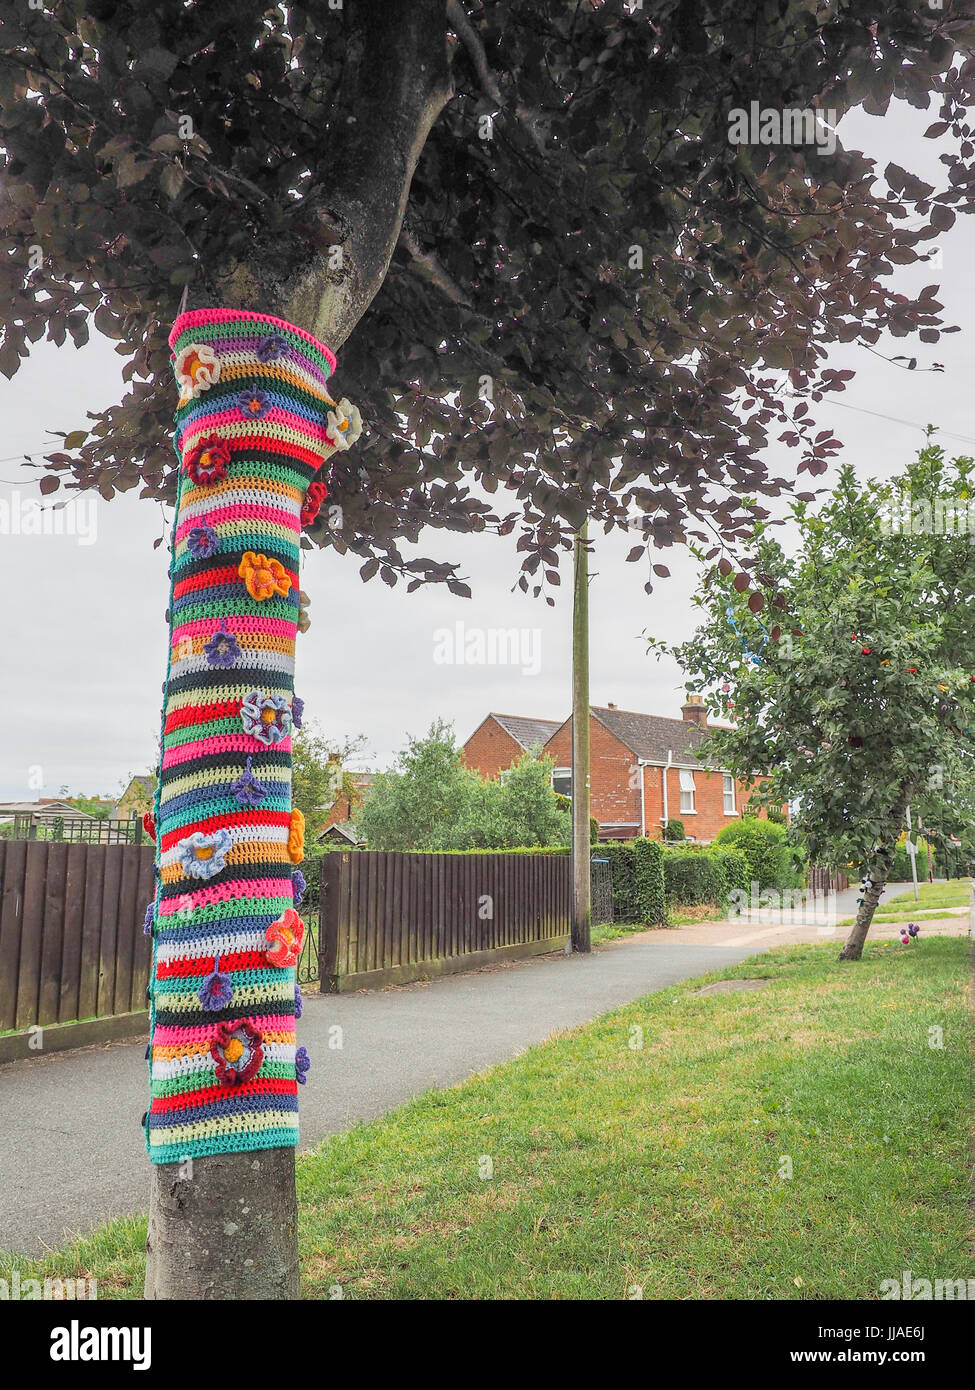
x,y
527,732
651,736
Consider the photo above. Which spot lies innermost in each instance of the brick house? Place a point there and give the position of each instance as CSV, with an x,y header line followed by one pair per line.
x,y
643,768
343,809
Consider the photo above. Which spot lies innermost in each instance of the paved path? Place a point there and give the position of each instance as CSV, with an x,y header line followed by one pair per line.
x,y
71,1150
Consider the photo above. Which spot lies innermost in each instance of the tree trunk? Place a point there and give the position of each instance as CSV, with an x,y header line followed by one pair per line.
x,y
224,1227
879,872
581,851
224,1064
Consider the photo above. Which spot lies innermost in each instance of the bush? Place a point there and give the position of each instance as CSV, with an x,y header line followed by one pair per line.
x,y
639,894
674,830
900,871
764,845
698,876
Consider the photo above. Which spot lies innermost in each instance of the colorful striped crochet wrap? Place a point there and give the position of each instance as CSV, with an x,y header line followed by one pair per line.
x,y
253,425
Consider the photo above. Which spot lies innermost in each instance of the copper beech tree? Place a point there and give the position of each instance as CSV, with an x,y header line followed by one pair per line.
x,y
574,270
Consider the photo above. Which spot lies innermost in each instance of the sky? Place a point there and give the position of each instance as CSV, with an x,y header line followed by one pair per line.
x,y
82,627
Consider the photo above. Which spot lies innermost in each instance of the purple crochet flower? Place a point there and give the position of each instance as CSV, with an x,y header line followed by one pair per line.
x,y
297,711
248,790
253,404
298,884
298,1005
150,912
271,347
216,991
265,717
302,1065
222,648
203,541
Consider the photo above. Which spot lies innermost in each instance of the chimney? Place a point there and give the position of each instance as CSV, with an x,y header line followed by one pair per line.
x,y
693,712
610,705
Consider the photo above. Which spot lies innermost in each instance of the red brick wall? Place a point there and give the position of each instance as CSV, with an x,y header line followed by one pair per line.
x,y
708,801
490,749
614,785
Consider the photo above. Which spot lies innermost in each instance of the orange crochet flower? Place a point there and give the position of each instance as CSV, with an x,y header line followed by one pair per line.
x,y
296,837
285,937
263,577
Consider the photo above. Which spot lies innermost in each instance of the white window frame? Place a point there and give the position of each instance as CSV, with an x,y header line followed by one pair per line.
x,y
687,790
728,791
562,772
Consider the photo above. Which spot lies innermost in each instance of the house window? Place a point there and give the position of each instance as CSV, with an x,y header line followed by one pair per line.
x,y
686,791
562,781
729,795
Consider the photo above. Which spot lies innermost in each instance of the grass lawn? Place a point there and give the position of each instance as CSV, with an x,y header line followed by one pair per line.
x,y
932,897
587,1166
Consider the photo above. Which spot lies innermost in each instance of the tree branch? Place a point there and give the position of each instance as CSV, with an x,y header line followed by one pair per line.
x,y
530,120
429,268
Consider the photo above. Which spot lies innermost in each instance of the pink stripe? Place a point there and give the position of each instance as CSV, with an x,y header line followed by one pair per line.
x,y
219,743
206,627
202,316
201,426
240,511
264,1023
239,889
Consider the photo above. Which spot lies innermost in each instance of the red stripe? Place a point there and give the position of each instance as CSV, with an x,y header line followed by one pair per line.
x,y
267,1085
201,714
204,965
226,574
220,822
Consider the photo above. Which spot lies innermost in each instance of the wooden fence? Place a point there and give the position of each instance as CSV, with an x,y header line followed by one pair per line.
x,y
72,944
386,918
826,881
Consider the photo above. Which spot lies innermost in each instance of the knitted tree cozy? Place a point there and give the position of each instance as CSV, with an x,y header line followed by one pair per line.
x,y
253,426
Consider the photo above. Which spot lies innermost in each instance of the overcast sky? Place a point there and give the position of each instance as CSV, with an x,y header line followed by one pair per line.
x,y
82,626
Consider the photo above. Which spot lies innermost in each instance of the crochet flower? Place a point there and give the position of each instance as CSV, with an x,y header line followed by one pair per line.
x,y
314,497
297,711
203,856
298,885
150,913
304,602
266,717
296,837
286,936
344,424
253,405
197,367
223,648
263,577
271,347
149,825
206,462
216,991
202,541
302,1065
248,790
236,1049
298,1001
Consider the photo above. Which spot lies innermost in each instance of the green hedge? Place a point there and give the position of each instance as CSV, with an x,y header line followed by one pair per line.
x,y
901,868
639,892
764,845
699,876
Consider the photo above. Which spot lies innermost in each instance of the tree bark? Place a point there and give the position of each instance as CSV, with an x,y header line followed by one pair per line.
x,y
878,869
224,1227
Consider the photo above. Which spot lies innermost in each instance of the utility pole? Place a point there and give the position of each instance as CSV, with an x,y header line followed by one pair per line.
x,y
581,853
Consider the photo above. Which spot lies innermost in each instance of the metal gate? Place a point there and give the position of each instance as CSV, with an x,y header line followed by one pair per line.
x,y
601,888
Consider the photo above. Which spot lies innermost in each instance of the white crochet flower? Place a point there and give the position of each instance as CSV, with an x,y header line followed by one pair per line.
x,y
345,426
197,367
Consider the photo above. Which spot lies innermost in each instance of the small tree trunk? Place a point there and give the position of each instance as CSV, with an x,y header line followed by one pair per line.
x,y
223,1227
879,871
